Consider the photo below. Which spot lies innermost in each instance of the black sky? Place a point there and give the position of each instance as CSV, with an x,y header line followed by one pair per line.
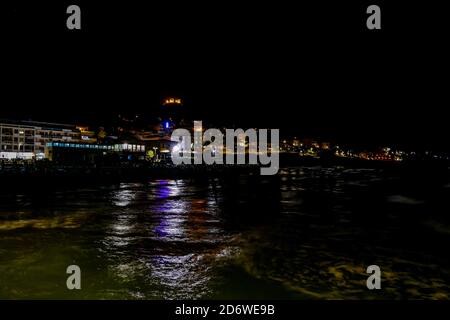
x,y
309,69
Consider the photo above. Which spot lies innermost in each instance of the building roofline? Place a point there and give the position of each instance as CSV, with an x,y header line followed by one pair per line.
x,y
49,125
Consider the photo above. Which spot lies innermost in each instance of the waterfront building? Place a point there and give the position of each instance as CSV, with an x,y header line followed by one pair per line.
x,y
86,135
27,139
77,153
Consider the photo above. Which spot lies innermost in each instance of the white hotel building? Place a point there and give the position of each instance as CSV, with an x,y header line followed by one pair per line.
x,y
27,139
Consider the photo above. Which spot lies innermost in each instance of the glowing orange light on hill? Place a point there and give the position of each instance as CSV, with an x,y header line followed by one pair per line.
x,y
172,101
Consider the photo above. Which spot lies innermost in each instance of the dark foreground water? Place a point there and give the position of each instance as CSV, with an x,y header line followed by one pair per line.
x,y
308,233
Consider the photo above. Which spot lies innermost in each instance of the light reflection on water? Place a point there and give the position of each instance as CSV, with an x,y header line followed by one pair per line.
x,y
156,226
310,233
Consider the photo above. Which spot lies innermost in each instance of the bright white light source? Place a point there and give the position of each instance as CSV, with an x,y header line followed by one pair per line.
x,y
176,148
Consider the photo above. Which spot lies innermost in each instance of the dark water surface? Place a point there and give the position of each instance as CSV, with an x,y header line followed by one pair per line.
x,y
309,233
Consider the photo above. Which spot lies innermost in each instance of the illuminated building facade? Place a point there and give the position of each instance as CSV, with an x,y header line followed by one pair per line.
x,y
171,101
84,152
27,139
87,136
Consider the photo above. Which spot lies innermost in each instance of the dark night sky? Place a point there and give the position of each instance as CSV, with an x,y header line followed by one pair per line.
x,y
310,70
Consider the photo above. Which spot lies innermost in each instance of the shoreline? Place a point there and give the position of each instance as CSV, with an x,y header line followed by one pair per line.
x,y
53,174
